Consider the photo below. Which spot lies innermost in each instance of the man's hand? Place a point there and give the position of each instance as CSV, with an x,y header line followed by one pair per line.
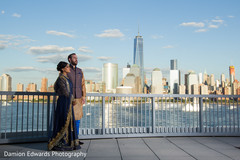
x,y
83,100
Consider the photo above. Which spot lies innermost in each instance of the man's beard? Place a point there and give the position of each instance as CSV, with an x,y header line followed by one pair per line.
x,y
74,63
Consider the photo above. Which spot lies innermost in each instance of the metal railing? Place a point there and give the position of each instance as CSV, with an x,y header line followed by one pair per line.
x,y
27,116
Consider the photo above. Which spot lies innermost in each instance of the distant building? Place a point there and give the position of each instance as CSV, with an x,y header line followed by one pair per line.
x,y
157,85
200,78
6,85
101,87
222,80
203,89
126,70
124,90
182,89
44,85
138,56
51,88
194,89
32,87
6,82
90,86
130,81
20,87
232,77
192,80
212,80
227,90
174,77
173,64
110,76
133,79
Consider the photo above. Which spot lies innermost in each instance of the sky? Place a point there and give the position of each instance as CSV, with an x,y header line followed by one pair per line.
x,y
36,35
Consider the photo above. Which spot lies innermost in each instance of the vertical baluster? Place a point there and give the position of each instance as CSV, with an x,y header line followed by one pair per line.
x,y
217,117
230,127
11,114
238,115
22,113
27,112
153,115
222,114
103,115
233,111
16,115
33,115
38,114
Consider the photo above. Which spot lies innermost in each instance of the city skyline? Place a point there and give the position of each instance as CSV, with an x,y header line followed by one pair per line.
x,y
35,36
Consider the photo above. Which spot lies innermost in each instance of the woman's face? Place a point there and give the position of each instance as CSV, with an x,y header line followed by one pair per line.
x,y
66,69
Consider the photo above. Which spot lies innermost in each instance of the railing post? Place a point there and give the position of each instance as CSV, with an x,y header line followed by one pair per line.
x,y
153,115
201,114
103,115
48,114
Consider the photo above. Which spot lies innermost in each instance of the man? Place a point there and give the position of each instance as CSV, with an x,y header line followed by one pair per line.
x,y
79,90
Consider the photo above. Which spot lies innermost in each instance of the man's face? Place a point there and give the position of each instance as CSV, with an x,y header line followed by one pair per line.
x,y
74,60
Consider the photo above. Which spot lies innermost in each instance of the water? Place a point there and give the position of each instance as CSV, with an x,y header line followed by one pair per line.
x,y
26,116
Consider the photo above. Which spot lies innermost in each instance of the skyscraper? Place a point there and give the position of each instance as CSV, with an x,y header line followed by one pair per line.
x,y
222,80
6,82
157,86
126,70
138,55
110,76
174,77
232,76
173,64
6,85
44,85
192,80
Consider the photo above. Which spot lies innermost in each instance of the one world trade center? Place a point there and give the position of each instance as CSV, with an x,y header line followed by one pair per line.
x,y
138,56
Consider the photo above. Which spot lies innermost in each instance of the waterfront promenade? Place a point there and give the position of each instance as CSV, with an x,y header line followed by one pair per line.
x,y
163,148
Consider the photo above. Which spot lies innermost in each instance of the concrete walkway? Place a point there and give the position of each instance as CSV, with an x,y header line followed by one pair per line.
x,y
169,148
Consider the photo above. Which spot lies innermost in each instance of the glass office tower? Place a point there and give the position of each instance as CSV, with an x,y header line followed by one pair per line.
x,y
138,56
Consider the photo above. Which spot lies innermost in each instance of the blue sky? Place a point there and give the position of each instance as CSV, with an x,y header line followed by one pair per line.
x,y
36,35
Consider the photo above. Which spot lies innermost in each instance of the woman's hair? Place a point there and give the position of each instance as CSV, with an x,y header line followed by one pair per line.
x,y
61,65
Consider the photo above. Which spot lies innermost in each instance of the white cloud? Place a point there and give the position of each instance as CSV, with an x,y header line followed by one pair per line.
x,y
14,40
60,34
156,37
213,26
49,49
16,15
2,11
61,57
85,49
111,33
21,69
218,20
168,46
30,69
91,69
192,24
201,30
11,37
104,58
231,16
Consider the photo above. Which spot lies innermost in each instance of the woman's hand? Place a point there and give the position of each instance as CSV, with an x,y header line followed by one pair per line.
x,y
74,102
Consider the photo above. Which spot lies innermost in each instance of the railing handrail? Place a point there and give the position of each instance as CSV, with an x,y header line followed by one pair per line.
x,y
123,95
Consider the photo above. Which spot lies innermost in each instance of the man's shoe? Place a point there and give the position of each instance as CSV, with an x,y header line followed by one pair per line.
x,y
81,143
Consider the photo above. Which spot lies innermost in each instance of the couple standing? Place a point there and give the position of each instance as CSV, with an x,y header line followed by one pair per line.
x,y
71,91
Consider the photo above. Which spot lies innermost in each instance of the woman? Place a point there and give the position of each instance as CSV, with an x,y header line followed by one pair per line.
x,y
64,137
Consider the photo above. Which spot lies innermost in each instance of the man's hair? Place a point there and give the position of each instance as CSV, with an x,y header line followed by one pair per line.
x,y
70,56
